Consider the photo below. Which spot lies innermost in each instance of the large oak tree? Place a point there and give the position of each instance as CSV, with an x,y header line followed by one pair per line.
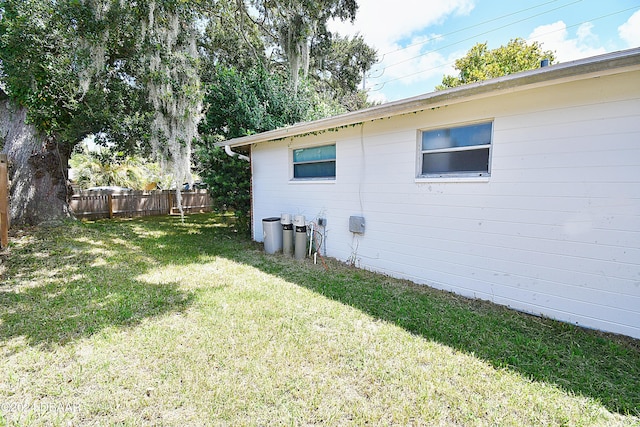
x,y
126,72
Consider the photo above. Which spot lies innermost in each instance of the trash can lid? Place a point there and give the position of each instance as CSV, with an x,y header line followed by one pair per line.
x,y
271,219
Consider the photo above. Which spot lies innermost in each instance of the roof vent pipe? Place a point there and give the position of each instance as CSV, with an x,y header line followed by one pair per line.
x,y
227,150
544,63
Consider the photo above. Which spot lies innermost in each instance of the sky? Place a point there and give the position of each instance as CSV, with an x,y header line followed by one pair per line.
x,y
418,41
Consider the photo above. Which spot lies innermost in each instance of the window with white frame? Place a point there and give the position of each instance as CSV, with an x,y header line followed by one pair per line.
x,y
315,162
456,151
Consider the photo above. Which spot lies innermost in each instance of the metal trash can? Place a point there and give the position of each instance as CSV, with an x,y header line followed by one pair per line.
x,y
300,246
272,233
287,234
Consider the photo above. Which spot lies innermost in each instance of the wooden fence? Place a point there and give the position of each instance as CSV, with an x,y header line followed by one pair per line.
x,y
4,201
96,204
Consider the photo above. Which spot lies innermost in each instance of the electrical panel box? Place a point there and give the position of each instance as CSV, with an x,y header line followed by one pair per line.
x,y
356,224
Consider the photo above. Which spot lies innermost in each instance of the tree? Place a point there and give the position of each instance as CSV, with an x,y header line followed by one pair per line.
x,y
480,63
70,83
110,167
232,39
244,35
126,72
308,74
41,86
294,26
340,66
242,103
20,140
229,181
251,101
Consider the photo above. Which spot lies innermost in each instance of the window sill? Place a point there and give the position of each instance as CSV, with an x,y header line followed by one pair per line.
x,y
312,181
422,179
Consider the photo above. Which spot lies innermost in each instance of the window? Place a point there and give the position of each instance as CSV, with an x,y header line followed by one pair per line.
x,y
315,162
458,151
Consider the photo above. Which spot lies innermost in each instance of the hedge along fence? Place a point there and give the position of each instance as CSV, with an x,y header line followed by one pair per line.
x,y
103,204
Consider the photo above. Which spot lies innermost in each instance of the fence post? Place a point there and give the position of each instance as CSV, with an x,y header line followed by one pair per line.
x,y
4,201
170,196
110,205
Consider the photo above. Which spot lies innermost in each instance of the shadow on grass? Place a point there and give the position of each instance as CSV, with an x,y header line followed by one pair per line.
x,y
605,367
601,366
62,284
58,314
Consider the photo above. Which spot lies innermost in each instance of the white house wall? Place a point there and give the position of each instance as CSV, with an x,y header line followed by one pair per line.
x,y
554,231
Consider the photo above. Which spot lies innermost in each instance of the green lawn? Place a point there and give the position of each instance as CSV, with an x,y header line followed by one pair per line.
x,y
156,322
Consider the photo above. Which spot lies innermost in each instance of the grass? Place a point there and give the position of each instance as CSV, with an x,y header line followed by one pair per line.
x,y
156,322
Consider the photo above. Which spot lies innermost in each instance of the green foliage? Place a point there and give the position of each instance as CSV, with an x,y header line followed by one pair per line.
x,y
241,103
245,102
294,26
51,76
340,67
229,182
232,39
87,69
480,63
110,167
130,72
322,104
41,77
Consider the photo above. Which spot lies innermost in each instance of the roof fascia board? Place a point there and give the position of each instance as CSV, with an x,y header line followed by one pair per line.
x,y
601,65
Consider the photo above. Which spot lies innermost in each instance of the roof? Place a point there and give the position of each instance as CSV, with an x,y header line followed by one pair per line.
x,y
600,65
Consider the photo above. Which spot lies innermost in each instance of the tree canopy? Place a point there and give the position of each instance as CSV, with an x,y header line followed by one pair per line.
x,y
69,66
295,27
140,75
339,68
481,63
120,69
267,65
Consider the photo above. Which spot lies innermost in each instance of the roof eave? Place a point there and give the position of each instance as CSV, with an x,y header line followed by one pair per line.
x,y
601,65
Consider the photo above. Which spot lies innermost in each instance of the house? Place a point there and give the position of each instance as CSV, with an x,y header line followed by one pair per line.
x,y
523,190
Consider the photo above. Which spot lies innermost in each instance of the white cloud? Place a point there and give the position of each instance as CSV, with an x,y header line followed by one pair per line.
x,y
555,37
385,23
584,32
396,30
409,73
630,30
377,97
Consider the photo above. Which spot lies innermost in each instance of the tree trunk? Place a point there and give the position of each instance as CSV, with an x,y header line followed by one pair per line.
x,y
38,170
